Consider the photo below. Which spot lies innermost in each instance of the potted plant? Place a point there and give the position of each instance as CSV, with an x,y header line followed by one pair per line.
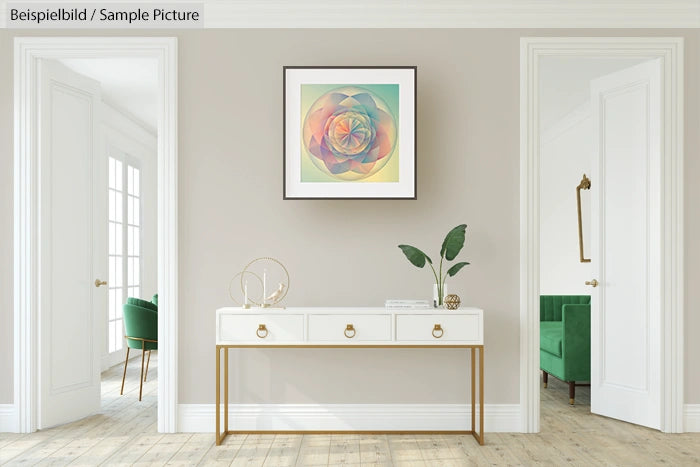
x,y
451,246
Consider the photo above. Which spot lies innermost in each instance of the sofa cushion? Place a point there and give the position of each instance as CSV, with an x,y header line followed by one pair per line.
x,y
551,305
551,336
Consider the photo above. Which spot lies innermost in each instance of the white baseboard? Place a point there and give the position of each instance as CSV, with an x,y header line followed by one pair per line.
x,y
691,416
8,418
352,417
202,418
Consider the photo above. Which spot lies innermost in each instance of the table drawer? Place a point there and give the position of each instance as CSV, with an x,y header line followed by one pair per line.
x,y
261,329
350,328
439,328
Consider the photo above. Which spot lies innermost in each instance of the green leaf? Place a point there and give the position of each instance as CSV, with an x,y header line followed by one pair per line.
x,y
453,243
415,256
455,268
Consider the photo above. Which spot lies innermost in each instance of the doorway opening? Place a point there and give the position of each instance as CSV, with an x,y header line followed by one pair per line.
x,y
98,147
609,108
597,121
95,226
128,135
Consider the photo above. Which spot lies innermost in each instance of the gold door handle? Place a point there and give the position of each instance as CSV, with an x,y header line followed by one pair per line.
x,y
584,185
99,282
261,328
592,283
438,328
349,328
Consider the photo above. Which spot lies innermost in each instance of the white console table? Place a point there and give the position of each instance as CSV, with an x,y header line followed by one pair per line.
x,y
350,328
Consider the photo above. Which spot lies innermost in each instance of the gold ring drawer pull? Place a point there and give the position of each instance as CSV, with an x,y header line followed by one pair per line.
x,y
437,329
349,328
262,331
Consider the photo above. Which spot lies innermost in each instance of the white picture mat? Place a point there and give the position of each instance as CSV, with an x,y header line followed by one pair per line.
x,y
404,77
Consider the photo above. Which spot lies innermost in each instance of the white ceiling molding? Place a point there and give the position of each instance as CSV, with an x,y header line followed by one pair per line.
x,y
441,13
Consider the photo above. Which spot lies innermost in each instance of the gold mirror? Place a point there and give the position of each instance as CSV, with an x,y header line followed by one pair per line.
x,y
584,185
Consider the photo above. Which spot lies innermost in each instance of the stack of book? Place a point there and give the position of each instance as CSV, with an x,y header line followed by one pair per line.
x,y
408,304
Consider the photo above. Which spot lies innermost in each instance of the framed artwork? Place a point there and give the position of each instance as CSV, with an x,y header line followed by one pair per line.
x,y
349,132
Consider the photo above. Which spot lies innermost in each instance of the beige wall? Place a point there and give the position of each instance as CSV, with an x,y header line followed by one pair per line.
x,y
344,252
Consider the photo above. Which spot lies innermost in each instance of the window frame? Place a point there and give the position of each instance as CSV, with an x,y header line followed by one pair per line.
x,y
127,161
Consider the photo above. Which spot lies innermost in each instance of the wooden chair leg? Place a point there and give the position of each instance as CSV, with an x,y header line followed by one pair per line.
x,y
124,377
148,360
572,392
143,354
545,378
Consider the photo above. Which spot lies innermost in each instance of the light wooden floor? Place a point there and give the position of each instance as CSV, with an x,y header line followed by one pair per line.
x,y
125,433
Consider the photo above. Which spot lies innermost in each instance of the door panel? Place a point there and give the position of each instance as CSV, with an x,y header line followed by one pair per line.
x,y
625,313
70,210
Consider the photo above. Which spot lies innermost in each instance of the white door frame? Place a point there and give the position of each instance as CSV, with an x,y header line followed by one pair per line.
x,y
670,51
27,288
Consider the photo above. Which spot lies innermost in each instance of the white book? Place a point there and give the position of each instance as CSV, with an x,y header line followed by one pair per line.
x,y
409,305
407,302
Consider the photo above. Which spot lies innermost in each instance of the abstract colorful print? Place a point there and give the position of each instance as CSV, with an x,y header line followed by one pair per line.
x,y
349,132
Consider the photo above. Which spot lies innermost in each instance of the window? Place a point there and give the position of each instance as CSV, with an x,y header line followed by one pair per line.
x,y
124,244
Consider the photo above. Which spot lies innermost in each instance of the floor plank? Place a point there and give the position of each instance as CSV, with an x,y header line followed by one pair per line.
x,y
314,450
193,450
125,433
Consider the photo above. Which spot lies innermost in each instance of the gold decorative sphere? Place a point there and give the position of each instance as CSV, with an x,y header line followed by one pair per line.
x,y
452,302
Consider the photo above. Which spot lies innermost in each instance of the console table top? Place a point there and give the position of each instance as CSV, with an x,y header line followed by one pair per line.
x,y
349,310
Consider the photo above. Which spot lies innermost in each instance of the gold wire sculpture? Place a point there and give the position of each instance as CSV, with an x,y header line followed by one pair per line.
x,y
278,295
244,304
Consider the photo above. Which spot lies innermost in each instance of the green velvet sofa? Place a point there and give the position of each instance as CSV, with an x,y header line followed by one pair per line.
x,y
565,339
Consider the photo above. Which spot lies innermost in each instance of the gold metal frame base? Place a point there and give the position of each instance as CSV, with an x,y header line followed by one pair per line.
x,y
349,432
478,435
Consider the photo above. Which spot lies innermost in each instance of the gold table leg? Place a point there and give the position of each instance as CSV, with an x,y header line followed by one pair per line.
x,y
481,392
473,381
218,394
480,437
225,391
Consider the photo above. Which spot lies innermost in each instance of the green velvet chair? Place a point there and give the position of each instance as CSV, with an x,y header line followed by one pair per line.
x,y
565,339
141,327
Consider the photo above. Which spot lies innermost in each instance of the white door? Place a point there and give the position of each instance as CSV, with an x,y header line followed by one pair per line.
x,y
73,244
625,245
